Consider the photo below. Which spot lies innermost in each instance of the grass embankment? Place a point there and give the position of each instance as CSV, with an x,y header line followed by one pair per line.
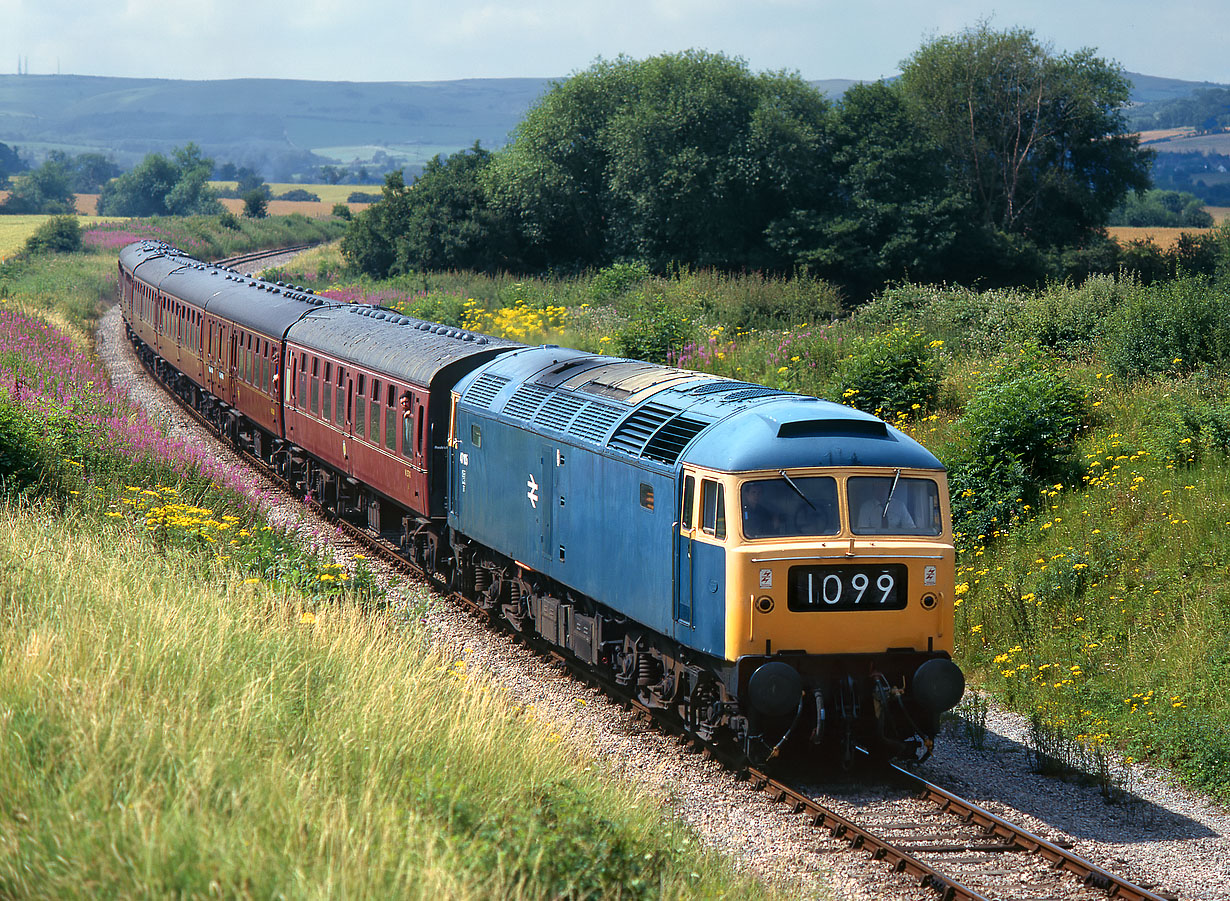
x,y
1096,601
192,704
169,729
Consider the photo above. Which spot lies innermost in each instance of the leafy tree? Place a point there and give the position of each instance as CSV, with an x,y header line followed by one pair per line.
x,y
370,240
1161,208
10,163
1036,141
332,174
255,204
163,187
46,189
90,171
896,215
683,156
450,223
249,180
59,234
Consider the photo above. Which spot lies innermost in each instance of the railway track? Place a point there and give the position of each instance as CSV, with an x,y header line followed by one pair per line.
x,y
927,837
244,259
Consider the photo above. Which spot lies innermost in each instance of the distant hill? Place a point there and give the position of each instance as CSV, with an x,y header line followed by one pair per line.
x,y
1153,89
284,127
271,124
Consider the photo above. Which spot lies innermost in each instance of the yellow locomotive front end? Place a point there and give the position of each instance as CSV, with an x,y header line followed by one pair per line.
x,y
839,606
855,562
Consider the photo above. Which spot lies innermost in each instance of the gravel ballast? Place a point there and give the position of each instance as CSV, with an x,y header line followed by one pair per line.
x,y
1166,837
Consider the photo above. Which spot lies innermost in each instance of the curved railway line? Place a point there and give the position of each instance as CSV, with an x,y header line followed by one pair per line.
x,y
931,837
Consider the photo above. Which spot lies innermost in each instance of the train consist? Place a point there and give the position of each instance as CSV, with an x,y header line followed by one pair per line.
x,y
773,570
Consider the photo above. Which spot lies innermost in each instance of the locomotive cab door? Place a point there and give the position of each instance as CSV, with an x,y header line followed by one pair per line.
x,y
684,547
700,605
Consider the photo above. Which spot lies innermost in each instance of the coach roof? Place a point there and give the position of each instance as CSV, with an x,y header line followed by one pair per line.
x,y
385,341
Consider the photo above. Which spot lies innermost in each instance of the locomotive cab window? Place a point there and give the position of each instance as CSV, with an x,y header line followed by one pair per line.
x,y
894,505
713,508
788,507
689,502
647,496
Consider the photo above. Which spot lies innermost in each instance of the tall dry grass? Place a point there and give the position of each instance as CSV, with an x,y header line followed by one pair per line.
x,y
166,729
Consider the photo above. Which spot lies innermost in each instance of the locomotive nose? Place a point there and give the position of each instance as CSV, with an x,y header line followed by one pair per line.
x,y
938,685
774,688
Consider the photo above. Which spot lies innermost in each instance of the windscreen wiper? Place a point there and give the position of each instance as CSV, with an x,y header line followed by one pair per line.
x,y
799,491
891,491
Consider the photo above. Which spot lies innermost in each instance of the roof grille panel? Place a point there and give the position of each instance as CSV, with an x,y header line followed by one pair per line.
x,y
752,393
635,431
558,411
595,420
670,440
525,401
484,389
717,386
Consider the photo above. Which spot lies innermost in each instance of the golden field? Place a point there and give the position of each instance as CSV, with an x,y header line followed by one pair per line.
x,y
14,230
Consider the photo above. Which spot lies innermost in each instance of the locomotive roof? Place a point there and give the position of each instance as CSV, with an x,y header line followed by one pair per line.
x,y
668,415
386,341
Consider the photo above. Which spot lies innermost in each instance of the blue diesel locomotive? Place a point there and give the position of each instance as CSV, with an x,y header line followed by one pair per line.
x,y
769,568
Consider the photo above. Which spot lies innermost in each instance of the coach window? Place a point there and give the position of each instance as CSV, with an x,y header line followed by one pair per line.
x,y
360,422
390,418
339,408
326,412
373,421
713,508
315,403
689,501
302,401
407,424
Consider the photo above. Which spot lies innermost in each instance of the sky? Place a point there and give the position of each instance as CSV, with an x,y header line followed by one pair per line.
x,y
413,40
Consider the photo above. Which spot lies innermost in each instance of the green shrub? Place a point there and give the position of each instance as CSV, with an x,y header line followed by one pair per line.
x,y
614,281
439,306
986,493
896,372
341,211
1026,410
1177,326
1171,429
1069,321
654,329
228,220
1016,437
59,234
964,319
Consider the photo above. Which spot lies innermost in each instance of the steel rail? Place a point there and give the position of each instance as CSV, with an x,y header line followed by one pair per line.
x,y
240,259
857,837
1059,857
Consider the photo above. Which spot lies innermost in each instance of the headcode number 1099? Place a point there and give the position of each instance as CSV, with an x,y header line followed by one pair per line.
x,y
847,587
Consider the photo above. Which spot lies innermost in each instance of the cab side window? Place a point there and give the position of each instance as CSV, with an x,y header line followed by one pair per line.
x,y
689,501
713,508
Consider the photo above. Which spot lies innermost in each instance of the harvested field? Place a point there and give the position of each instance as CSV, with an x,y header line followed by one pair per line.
x,y
1162,237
